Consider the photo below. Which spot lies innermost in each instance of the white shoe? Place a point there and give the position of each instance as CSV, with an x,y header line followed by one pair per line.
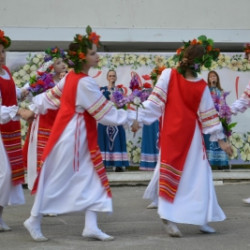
x,y
35,233
207,229
50,215
172,229
246,201
97,235
4,227
152,206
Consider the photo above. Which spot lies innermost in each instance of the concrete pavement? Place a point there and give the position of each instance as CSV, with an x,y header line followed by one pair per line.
x,y
134,226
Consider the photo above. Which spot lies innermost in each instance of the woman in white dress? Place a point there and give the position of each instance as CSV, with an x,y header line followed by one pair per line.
x,y
182,184
52,70
73,177
11,165
241,105
9,194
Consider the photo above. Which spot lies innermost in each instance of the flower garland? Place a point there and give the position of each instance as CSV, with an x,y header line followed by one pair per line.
x,y
54,52
77,54
156,73
241,146
246,49
211,54
4,40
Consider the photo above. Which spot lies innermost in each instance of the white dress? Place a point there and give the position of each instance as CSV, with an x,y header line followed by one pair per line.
x,y
32,152
9,194
62,189
195,201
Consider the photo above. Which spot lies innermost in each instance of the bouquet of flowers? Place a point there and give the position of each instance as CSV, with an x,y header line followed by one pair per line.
x,y
41,83
224,112
118,97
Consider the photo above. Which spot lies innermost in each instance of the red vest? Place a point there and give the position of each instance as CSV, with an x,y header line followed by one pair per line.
x,y
65,114
11,131
180,117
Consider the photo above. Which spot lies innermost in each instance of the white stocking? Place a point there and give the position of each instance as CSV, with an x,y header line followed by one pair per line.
x,y
91,221
35,221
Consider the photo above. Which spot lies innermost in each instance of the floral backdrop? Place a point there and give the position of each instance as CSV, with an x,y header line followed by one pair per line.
x,y
233,69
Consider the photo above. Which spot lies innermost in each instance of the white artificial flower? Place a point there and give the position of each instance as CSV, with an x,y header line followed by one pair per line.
x,y
130,59
235,153
22,72
33,73
236,140
18,82
26,78
138,150
159,61
26,67
245,153
33,68
137,101
248,138
40,56
103,61
143,59
35,60
15,74
117,60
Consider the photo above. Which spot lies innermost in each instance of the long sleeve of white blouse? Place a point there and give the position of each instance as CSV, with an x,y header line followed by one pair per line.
x,y
209,119
153,108
8,113
243,102
155,105
88,98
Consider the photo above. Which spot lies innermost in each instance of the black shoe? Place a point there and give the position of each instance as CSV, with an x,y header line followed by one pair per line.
x,y
119,169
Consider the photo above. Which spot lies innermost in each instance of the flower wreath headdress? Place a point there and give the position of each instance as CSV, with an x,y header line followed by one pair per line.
x,y
51,54
83,43
4,40
247,49
211,54
155,73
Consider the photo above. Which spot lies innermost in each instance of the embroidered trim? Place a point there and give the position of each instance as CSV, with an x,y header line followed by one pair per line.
x,y
158,96
100,108
169,180
209,118
54,95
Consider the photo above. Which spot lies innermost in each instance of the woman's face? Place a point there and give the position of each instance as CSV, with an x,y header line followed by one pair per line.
x,y
2,55
111,77
92,57
213,79
59,66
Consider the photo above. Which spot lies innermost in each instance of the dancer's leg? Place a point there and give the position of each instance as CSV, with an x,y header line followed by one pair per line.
x,y
91,229
33,225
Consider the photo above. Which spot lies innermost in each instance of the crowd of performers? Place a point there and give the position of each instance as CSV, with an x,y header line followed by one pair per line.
x,y
66,160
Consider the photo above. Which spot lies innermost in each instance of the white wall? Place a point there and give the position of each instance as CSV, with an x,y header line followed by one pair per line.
x,y
126,20
181,14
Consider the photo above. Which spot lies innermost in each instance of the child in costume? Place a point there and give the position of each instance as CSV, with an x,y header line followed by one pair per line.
x,y
243,103
49,75
182,183
11,160
73,177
